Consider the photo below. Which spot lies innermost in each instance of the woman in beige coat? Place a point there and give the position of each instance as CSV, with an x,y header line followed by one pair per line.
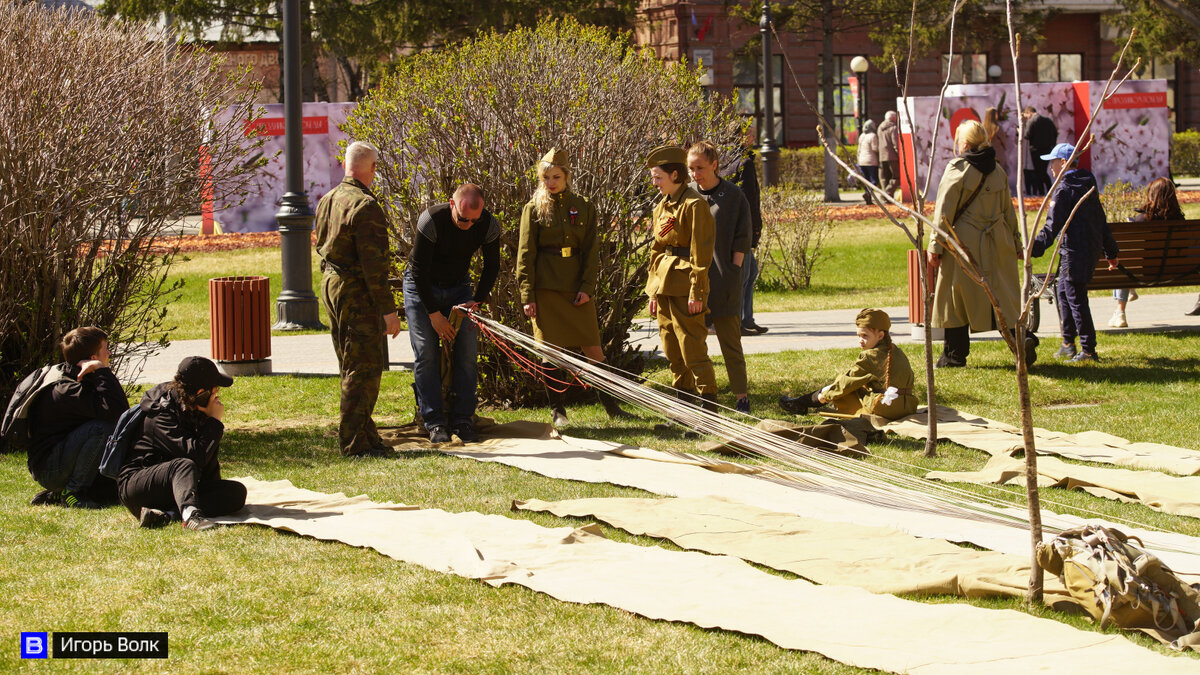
x,y
974,202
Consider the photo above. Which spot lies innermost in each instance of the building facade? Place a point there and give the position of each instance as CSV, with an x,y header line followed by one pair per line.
x,y
1079,44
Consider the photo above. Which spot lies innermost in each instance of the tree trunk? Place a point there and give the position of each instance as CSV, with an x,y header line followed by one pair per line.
x,y
832,136
930,388
1031,473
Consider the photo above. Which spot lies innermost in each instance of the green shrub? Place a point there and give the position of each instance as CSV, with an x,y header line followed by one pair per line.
x,y
805,167
800,223
1185,155
486,110
1120,199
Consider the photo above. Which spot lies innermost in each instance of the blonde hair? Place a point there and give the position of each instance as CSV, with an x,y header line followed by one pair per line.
x,y
543,201
991,123
705,149
971,134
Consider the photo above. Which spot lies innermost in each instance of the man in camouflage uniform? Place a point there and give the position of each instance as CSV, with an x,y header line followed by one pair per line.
x,y
352,242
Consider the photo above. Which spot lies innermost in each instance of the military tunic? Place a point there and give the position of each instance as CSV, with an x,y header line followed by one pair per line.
x,y
684,239
988,229
858,389
556,259
352,242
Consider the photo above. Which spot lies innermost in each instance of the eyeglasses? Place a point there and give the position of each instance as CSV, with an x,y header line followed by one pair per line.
x,y
459,217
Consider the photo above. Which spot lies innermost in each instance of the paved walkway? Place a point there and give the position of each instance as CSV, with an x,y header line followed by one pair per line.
x,y
313,354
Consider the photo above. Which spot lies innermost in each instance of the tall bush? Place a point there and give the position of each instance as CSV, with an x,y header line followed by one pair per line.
x,y
485,112
1185,154
105,133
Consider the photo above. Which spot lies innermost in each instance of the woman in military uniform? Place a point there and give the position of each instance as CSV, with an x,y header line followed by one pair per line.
x,y
879,383
684,238
558,260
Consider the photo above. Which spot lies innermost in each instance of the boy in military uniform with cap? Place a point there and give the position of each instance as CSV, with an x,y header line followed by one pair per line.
x,y
558,261
684,239
352,242
879,383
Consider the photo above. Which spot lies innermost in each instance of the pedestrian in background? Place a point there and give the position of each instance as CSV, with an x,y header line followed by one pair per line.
x,y
1161,204
868,157
889,153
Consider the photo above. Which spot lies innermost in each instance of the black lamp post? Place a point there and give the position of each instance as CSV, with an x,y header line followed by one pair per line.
x,y
768,150
859,65
296,305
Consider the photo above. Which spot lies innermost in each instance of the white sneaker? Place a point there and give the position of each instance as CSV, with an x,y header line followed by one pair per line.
x,y
1118,320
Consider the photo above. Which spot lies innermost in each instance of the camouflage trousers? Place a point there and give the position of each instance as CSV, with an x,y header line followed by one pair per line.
x,y
357,329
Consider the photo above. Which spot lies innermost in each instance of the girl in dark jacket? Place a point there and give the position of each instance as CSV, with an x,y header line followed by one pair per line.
x,y
173,468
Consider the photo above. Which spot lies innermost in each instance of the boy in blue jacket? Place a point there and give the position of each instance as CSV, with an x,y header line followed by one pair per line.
x,y
1083,242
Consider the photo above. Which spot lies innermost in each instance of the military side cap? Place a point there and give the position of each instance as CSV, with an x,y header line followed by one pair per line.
x,y
873,318
666,154
556,157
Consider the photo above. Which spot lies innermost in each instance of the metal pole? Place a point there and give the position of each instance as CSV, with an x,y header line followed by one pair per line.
x,y
769,151
296,305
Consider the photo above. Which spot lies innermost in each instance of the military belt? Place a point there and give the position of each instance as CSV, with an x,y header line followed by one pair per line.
x,y
680,251
561,251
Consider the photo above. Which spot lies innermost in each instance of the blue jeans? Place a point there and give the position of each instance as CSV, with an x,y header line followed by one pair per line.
x,y
75,462
1075,314
427,355
1121,294
749,276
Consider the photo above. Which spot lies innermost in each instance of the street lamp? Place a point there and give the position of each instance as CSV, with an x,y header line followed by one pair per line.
x,y
859,65
769,152
296,306
994,73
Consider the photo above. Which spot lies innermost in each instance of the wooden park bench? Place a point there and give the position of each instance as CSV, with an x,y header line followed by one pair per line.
x,y
1154,254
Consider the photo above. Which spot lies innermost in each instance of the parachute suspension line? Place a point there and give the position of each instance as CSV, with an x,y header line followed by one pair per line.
x,y
831,472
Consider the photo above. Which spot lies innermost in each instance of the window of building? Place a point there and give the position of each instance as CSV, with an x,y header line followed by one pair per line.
x,y
965,68
748,86
1160,69
843,120
1060,67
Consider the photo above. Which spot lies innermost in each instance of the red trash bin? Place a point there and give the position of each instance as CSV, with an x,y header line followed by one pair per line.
x,y
240,316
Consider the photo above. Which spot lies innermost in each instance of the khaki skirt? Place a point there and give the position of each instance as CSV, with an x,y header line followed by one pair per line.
x,y
561,323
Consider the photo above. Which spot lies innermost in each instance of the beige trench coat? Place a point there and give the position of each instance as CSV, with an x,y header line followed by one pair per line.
x,y
988,229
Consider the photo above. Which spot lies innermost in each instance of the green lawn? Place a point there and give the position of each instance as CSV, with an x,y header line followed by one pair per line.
x,y
252,599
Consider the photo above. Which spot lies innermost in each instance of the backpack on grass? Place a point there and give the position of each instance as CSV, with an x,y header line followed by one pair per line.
x,y
128,430
1116,581
14,428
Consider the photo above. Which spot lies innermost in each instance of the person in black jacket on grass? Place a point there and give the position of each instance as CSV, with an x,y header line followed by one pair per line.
x,y
172,469
1084,240
70,423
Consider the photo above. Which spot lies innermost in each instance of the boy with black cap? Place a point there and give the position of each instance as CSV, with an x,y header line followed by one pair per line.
x,y
879,383
1083,242
173,468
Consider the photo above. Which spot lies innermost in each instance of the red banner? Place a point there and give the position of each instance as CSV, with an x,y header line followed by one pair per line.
x,y
274,126
1153,99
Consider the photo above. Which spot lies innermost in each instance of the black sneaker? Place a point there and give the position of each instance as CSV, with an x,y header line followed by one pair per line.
x,y
1066,351
152,518
949,362
198,522
466,433
46,498
797,405
743,405
73,500
439,434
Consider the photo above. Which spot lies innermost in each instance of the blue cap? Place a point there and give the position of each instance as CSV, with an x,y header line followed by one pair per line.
x,y
1061,151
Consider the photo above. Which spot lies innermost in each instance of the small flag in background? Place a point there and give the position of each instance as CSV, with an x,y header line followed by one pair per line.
x,y
703,29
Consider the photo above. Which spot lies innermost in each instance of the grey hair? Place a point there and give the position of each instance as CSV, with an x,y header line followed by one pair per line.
x,y
869,127
890,116
360,154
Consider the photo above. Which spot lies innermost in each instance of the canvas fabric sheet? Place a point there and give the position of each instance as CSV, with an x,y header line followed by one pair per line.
x,y
1179,495
877,559
809,495
997,438
849,625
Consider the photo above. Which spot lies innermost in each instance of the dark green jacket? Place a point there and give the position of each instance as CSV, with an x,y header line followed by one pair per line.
x,y
573,225
352,240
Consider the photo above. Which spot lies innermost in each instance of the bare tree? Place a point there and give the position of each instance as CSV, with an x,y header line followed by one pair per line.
x,y
108,136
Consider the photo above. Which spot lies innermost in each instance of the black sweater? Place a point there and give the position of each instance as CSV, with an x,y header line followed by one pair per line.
x,y
169,431
70,403
441,255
